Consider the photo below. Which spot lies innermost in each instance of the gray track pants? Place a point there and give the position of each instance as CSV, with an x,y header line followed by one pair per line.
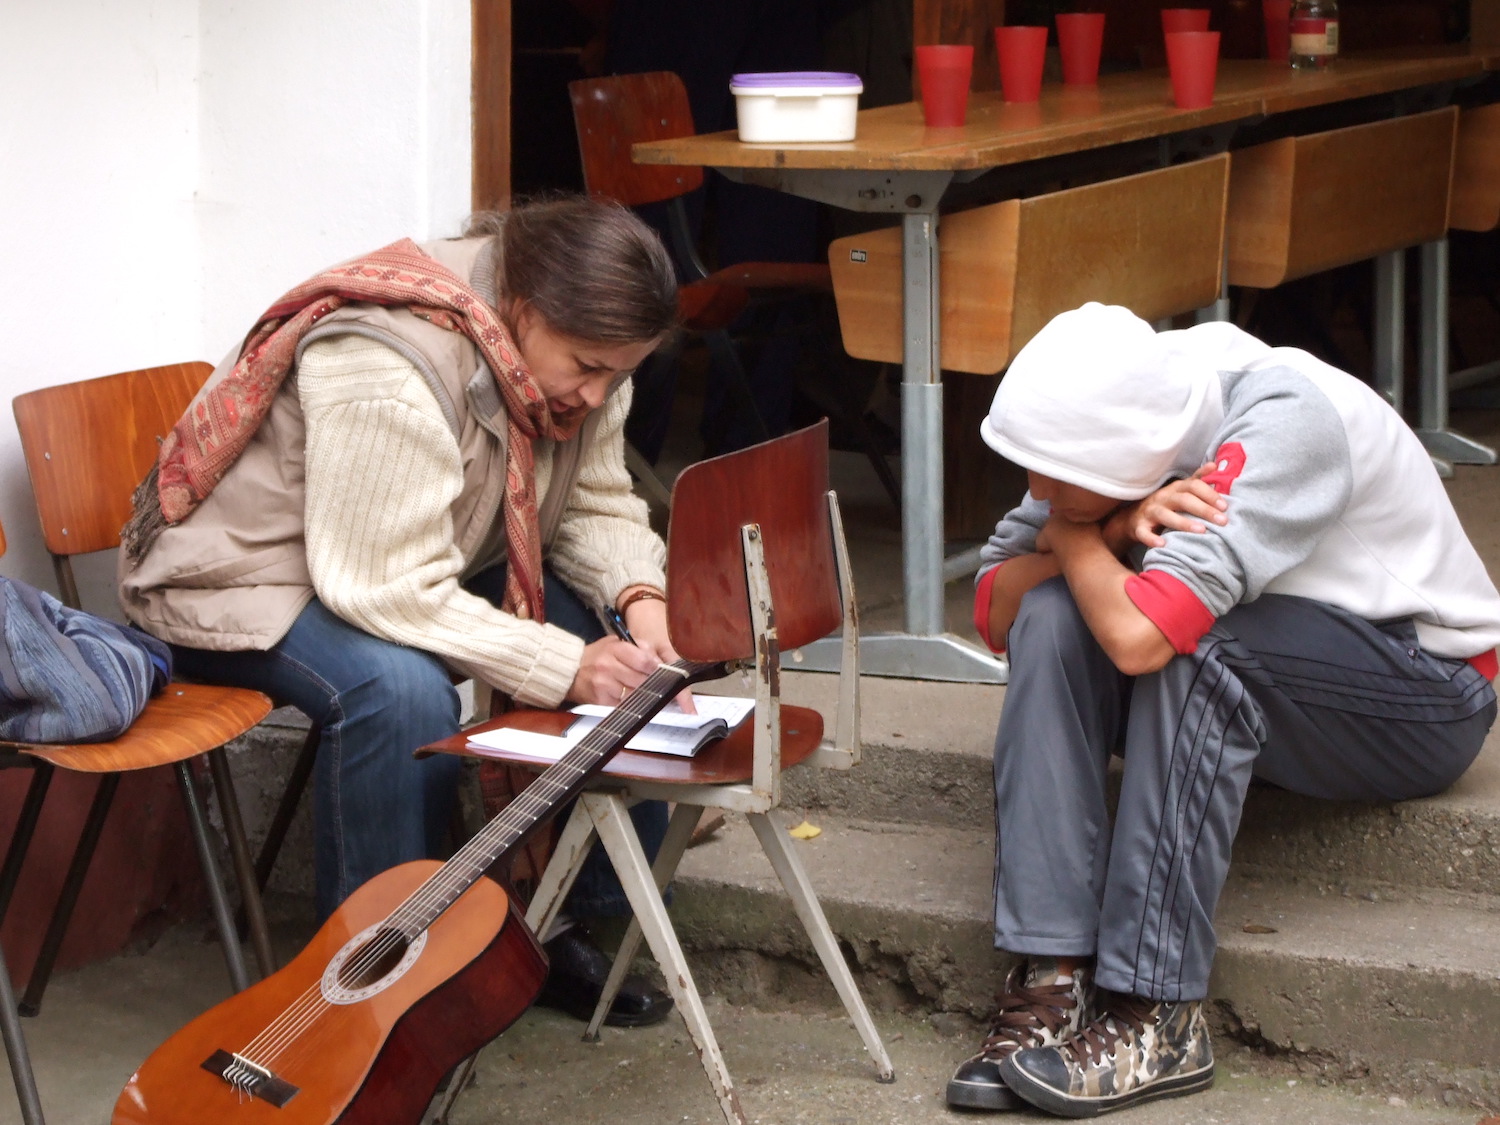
x,y
1309,697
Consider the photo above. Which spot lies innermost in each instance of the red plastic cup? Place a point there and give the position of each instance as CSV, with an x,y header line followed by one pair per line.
x,y
1022,52
1183,19
943,74
1278,14
1080,36
1193,62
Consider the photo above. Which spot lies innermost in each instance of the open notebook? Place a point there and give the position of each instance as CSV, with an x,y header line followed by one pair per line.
x,y
671,731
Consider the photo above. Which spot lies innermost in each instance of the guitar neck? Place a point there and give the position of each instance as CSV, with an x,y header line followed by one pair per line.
x,y
544,796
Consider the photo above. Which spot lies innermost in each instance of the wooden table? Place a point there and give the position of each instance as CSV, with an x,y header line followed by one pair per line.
x,y
898,166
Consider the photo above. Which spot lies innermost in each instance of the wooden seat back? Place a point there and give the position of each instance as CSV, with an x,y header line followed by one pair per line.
x,y
617,111
1301,205
88,444
1152,242
1475,198
782,486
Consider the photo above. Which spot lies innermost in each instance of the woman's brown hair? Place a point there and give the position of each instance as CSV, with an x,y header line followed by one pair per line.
x,y
590,267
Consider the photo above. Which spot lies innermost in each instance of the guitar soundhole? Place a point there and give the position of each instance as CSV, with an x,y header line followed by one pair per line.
x,y
370,962
373,961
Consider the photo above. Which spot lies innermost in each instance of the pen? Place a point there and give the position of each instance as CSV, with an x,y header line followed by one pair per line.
x,y
616,624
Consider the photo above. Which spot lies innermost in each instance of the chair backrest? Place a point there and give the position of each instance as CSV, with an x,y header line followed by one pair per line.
x,y
615,112
88,444
781,485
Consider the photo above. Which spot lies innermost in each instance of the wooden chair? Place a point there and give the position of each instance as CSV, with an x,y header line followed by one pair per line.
x,y
756,565
615,112
86,445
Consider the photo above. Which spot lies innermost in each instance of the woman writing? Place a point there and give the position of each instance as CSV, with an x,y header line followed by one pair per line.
x,y
415,465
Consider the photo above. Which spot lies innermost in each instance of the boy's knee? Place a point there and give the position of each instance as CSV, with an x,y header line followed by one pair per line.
x,y
1048,618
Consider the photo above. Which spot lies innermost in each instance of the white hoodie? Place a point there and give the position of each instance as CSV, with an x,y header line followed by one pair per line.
x,y
1332,497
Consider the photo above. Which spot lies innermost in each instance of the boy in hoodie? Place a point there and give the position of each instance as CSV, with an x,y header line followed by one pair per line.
x,y
1232,560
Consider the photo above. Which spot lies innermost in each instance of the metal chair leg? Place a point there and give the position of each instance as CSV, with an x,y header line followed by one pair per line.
x,y
788,865
287,808
15,1051
573,845
234,957
645,474
67,898
20,840
239,856
612,821
673,845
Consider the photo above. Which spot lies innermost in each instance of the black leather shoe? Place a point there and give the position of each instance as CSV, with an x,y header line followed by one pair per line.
x,y
575,980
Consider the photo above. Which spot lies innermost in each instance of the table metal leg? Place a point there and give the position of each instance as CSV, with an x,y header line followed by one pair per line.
x,y
925,650
1390,324
1390,338
1432,428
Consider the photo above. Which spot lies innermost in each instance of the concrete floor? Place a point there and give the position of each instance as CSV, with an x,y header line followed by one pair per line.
x,y
797,1065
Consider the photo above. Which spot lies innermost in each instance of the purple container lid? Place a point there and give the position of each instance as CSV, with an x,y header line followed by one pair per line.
x,y
806,78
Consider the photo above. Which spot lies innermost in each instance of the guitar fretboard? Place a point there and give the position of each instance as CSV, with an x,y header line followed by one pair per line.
x,y
544,795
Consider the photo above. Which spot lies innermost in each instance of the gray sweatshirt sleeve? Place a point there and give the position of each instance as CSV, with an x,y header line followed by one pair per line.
x,y
1014,535
1283,457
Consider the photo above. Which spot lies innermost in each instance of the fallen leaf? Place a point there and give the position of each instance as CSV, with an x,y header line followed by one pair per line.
x,y
1257,928
804,831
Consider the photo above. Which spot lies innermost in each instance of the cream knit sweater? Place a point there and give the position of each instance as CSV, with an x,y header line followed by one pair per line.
x,y
382,471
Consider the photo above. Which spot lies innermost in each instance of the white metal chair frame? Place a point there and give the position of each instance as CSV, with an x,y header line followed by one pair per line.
x,y
603,812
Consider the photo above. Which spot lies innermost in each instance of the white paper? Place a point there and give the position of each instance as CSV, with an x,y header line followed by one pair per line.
x,y
670,731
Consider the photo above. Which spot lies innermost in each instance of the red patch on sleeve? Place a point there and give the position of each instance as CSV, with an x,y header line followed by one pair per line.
x,y
1486,664
982,610
1171,607
1229,463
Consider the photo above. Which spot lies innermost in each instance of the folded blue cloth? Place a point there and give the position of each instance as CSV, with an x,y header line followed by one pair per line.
x,y
68,676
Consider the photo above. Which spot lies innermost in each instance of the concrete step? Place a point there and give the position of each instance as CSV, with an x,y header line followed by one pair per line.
x,y
927,760
1403,989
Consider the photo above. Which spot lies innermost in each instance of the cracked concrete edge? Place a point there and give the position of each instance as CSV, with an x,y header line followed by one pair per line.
x,y
1411,1032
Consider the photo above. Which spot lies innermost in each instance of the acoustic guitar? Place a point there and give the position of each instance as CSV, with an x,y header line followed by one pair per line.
x,y
416,971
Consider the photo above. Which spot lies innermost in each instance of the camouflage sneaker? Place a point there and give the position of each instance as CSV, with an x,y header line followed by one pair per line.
x,y
1033,1011
1134,1051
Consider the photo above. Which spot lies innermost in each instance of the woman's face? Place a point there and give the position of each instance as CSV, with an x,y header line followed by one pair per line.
x,y
573,374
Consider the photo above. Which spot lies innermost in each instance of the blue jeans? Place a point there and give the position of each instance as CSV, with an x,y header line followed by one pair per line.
x,y
374,805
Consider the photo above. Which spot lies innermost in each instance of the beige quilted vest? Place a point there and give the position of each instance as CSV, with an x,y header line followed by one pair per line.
x,y
234,575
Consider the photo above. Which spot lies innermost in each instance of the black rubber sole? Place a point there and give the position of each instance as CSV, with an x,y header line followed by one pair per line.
x,y
982,1095
1066,1105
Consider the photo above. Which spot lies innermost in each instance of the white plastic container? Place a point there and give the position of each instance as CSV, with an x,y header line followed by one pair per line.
x,y
796,106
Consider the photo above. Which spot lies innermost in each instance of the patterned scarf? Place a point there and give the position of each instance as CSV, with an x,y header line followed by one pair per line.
x,y
206,441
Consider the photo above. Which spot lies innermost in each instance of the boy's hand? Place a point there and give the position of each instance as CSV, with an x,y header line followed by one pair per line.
x,y
1180,505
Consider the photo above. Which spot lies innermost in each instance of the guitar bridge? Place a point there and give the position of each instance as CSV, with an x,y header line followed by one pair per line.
x,y
250,1078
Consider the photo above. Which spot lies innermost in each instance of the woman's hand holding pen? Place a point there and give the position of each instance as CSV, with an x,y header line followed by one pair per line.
x,y
646,623
613,667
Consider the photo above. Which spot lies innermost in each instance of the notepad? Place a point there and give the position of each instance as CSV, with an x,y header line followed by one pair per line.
x,y
671,731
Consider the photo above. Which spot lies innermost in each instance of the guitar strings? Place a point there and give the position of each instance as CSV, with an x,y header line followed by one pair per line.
x,y
421,908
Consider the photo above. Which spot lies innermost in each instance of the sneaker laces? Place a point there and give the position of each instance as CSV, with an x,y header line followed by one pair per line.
x,y
1098,1038
1023,1012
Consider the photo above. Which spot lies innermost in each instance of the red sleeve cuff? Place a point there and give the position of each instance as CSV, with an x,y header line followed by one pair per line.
x,y
1486,664
982,610
1171,607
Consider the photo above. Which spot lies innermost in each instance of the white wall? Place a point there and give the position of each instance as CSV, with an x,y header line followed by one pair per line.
x,y
168,168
